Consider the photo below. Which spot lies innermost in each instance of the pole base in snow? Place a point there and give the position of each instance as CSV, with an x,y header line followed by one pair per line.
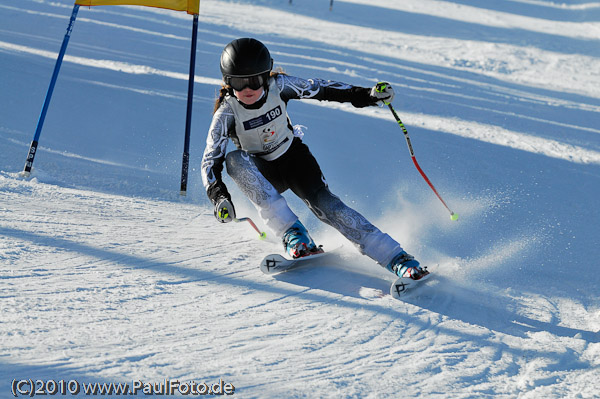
x,y
29,161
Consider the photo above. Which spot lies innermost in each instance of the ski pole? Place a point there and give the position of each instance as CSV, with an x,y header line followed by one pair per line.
x,y
262,234
380,88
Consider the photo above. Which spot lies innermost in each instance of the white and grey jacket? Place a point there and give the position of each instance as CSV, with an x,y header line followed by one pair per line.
x,y
264,129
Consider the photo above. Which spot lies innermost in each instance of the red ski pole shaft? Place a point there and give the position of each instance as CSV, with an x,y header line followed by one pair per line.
x,y
453,216
262,234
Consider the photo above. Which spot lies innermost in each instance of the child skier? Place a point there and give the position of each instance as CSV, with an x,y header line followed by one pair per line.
x,y
271,157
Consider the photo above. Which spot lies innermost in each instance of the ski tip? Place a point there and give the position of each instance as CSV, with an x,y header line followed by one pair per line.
x,y
404,285
400,287
272,264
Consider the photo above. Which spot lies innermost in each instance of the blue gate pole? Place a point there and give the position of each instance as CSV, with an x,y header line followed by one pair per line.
x,y
190,100
38,130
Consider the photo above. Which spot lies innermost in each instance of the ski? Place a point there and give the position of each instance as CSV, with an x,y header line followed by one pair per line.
x,y
276,263
273,264
403,286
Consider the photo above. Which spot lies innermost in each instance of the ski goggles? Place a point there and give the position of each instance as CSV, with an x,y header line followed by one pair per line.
x,y
254,82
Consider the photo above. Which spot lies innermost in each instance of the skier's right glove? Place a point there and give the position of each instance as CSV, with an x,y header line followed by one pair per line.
x,y
383,93
224,210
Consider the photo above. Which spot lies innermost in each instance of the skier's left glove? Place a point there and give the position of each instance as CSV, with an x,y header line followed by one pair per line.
x,y
224,210
382,93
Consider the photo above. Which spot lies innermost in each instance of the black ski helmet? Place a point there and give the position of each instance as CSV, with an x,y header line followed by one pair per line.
x,y
245,57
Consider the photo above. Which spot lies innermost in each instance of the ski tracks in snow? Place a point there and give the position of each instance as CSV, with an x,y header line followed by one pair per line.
x,y
123,288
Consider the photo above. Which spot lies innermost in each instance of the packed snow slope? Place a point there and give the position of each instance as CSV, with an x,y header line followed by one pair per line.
x,y
107,274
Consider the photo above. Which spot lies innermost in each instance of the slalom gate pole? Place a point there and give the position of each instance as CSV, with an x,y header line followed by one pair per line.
x,y
188,120
40,124
453,216
262,234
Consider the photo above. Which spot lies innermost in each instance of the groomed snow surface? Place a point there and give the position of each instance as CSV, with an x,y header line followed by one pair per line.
x,y
108,275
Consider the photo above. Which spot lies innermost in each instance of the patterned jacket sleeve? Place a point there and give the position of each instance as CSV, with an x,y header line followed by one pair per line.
x,y
298,88
214,154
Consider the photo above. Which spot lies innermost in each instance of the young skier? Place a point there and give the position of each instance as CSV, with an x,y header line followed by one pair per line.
x,y
271,157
